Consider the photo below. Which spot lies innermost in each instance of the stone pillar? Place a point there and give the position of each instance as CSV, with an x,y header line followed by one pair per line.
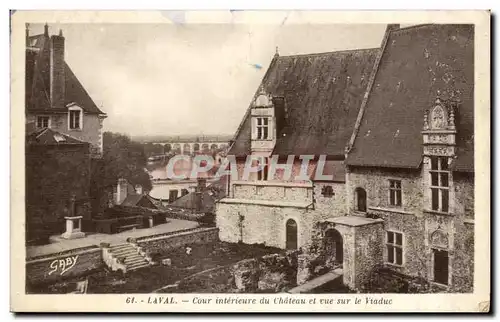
x,y
73,223
150,220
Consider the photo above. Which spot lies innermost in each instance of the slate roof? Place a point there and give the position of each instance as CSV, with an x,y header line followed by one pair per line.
x,y
416,63
134,199
322,94
50,137
37,92
210,195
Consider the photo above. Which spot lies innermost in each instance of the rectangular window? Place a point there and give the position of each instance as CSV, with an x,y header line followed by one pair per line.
x,y
395,193
74,120
262,128
440,184
394,246
42,122
441,266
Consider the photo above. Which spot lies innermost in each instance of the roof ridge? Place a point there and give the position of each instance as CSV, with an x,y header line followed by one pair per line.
x,y
331,52
412,27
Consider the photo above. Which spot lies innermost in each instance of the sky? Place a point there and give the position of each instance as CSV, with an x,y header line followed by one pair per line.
x,y
185,79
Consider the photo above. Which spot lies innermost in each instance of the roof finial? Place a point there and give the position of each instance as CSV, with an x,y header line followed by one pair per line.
x,y
60,33
277,52
46,30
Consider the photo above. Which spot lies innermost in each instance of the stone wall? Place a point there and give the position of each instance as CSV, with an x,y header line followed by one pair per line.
x,y
266,223
268,190
376,184
333,206
261,224
418,224
369,251
56,267
161,243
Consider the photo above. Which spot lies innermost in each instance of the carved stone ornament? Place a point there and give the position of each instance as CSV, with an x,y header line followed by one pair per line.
x,y
263,99
438,117
439,239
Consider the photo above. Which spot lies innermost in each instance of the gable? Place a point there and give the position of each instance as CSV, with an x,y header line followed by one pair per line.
x,y
322,94
37,92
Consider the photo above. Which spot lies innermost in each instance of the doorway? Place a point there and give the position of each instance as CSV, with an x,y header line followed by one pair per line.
x,y
441,261
334,246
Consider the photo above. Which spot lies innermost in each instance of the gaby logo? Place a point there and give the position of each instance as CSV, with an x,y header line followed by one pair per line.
x,y
63,265
192,168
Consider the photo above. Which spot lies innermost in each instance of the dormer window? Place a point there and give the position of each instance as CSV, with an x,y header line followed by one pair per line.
x,y
439,140
75,118
262,128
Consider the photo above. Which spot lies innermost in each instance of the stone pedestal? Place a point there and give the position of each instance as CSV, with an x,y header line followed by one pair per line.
x,y
73,228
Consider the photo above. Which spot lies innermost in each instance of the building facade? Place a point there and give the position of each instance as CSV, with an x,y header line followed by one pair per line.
x,y
63,139
388,134
55,98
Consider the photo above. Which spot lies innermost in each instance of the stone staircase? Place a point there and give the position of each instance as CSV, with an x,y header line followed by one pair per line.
x,y
130,256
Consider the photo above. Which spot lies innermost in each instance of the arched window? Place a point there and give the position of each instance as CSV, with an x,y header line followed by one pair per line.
x,y
360,198
291,234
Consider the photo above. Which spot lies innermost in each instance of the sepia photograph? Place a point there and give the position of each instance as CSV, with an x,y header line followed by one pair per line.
x,y
249,159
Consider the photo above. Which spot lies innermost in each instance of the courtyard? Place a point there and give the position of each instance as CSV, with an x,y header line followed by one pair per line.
x,y
60,245
200,261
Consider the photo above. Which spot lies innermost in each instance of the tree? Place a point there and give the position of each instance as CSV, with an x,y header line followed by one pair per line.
x,y
122,158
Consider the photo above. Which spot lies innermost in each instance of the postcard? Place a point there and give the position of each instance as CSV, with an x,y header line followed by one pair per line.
x,y
250,161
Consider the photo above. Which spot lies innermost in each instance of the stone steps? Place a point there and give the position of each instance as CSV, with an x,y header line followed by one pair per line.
x,y
131,258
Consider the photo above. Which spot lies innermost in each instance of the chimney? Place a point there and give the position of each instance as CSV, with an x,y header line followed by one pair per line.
x,y
27,35
394,26
57,82
121,191
202,184
279,113
46,30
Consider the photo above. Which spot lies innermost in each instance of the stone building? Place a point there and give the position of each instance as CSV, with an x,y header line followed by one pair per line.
x,y
55,98
412,158
57,181
63,139
368,195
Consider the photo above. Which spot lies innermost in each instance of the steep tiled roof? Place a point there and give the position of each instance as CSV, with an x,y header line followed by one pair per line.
x,y
417,63
322,95
210,195
37,91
